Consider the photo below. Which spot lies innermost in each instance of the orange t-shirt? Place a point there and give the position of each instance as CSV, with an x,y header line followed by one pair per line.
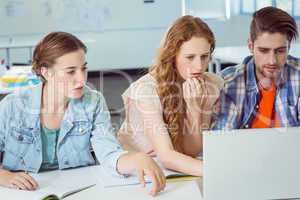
x,y
266,116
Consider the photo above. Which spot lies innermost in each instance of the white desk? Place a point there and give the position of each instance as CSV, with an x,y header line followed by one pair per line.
x,y
236,54
174,191
62,182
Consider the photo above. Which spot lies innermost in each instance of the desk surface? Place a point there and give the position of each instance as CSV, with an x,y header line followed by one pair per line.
x,y
173,191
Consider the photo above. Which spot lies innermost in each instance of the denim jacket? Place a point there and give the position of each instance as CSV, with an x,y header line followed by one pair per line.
x,y
86,125
240,97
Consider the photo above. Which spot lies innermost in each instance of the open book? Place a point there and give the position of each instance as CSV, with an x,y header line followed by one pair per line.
x,y
178,176
108,180
55,184
174,175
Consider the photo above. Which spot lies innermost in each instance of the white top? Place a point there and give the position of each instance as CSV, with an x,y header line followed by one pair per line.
x,y
139,99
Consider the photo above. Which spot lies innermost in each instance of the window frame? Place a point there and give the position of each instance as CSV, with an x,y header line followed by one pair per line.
x,y
225,15
274,3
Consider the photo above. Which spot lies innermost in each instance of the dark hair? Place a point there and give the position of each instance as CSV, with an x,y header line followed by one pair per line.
x,y
273,20
53,46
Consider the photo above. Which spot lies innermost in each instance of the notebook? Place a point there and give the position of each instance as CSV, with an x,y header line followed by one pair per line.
x,y
108,180
172,175
55,184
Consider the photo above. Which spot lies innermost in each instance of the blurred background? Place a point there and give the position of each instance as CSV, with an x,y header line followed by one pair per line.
x,y
122,36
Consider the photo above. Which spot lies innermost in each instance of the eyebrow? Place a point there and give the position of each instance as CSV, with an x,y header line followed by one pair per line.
x,y
266,48
74,67
283,47
188,54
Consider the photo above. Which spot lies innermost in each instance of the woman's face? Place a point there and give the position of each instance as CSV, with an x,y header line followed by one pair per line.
x,y
68,75
193,57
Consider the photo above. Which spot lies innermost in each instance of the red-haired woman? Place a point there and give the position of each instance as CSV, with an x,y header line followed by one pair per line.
x,y
168,108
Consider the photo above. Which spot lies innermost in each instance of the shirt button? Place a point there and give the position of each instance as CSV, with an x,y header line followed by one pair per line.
x,y
257,106
246,126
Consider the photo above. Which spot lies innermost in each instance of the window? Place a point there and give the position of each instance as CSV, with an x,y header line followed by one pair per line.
x,y
297,8
284,5
290,6
212,9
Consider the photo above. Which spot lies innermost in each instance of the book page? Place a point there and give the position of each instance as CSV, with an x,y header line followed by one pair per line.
x,y
108,180
14,194
180,190
64,182
174,175
166,171
59,183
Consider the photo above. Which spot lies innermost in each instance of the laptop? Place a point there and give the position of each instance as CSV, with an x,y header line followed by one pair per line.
x,y
252,164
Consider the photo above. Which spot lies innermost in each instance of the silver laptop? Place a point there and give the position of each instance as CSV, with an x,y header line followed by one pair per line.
x,y
252,164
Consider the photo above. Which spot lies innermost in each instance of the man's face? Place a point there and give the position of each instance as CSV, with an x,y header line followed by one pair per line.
x,y
270,52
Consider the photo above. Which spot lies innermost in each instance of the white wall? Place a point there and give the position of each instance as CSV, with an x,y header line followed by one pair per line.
x,y
132,32
128,38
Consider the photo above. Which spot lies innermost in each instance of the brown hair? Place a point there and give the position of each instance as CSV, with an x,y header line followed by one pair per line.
x,y
168,79
273,20
53,46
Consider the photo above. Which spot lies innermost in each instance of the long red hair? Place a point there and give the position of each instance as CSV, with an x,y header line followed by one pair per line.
x,y
168,79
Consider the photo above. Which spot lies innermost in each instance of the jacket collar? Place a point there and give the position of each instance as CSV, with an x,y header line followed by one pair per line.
x,y
32,104
251,84
76,111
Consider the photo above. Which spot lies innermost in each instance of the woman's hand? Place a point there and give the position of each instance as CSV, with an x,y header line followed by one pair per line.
x,y
193,94
17,180
145,165
212,93
200,94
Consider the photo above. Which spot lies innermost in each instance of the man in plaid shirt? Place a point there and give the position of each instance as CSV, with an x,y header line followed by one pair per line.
x,y
263,91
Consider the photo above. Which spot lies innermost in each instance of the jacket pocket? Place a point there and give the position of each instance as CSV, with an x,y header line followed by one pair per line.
x,y
80,128
19,141
79,136
22,136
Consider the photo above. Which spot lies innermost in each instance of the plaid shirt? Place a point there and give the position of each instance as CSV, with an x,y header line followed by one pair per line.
x,y
240,97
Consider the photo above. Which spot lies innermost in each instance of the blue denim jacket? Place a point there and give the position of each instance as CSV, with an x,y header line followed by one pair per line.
x,y
86,124
240,96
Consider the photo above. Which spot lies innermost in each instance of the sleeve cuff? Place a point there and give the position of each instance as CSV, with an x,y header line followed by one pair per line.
x,y
113,163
